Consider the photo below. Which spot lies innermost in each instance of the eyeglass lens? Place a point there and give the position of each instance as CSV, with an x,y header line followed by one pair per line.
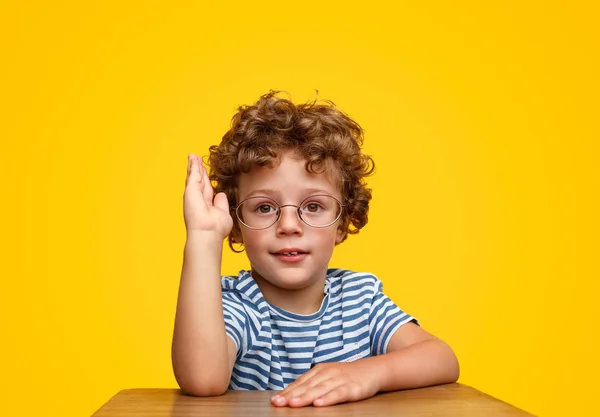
x,y
262,212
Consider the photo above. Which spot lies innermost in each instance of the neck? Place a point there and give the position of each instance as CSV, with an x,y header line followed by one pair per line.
x,y
306,300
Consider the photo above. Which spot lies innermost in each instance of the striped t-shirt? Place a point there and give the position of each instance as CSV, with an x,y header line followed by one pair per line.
x,y
274,347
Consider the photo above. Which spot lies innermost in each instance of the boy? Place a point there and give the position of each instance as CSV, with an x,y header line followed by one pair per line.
x,y
289,187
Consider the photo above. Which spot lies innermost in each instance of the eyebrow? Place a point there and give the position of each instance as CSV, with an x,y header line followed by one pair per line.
x,y
270,193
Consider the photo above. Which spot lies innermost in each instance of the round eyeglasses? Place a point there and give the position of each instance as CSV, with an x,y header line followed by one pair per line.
x,y
258,212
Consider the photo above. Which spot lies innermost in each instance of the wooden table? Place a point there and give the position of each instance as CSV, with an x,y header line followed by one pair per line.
x,y
443,400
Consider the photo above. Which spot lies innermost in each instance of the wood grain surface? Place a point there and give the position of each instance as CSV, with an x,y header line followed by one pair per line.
x,y
443,400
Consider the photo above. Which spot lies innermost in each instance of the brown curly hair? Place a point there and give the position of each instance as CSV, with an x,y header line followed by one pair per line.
x,y
318,133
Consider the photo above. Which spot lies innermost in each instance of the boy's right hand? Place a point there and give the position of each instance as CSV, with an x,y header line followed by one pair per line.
x,y
200,212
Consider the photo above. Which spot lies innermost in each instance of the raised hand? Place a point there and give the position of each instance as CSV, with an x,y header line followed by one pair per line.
x,y
329,384
200,211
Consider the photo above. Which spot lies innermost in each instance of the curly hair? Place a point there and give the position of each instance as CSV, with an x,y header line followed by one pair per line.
x,y
318,133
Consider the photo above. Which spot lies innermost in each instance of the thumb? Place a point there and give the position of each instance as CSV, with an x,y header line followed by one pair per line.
x,y
221,202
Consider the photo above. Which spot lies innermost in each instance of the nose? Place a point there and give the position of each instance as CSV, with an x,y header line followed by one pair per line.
x,y
289,222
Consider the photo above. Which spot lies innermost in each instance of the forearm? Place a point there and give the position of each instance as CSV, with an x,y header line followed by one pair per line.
x,y
199,350
430,362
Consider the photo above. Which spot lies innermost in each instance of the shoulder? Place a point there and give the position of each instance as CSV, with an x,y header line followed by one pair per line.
x,y
231,282
346,281
346,277
240,284
237,288
242,292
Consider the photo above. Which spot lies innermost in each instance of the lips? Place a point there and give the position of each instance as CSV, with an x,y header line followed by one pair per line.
x,y
290,254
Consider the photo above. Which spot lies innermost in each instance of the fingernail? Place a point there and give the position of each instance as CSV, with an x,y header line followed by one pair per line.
x,y
277,400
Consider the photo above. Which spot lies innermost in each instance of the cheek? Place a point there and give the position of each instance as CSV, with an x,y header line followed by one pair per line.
x,y
252,240
327,239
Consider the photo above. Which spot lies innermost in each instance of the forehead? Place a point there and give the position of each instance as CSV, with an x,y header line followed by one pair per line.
x,y
288,178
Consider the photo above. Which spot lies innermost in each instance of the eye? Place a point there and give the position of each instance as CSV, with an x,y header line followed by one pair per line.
x,y
312,207
265,208
261,205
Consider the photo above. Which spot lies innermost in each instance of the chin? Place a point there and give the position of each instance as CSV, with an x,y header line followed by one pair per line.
x,y
291,283
289,280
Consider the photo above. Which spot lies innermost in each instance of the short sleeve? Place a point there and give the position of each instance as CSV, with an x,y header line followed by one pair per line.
x,y
385,318
235,319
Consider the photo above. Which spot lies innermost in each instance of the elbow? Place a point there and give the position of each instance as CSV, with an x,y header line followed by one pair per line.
x,y
453,367
453,374
201,382
203,388
445,363
202,391
456,374
200,379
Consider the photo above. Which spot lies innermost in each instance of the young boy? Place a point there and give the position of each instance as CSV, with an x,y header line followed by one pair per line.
x,y
289,188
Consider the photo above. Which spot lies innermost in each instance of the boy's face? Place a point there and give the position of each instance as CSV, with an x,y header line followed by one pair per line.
x,y
289,183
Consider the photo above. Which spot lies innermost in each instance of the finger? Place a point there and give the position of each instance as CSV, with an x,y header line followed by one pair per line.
x,y
304,378
290,391
314,393
189,169
297,383
339,394
196,172
207,190
299,387
194,175
221,202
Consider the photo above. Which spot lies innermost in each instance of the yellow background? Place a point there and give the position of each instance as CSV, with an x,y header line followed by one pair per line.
x,y
482,119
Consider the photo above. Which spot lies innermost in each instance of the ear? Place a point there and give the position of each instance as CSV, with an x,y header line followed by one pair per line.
x,y
340,235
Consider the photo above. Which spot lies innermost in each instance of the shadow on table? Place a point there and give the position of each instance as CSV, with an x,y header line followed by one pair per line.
x,y
258,404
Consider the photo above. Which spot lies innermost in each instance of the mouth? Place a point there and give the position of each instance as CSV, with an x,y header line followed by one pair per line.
x,y
290,255
290,252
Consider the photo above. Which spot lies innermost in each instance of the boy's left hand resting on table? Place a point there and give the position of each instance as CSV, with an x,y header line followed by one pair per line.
x,y
414,359
328,384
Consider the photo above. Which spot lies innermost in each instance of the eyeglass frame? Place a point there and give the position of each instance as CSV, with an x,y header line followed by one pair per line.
x,y
279,207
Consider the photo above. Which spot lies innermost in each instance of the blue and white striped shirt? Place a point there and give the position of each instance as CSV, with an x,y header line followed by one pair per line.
x,y
274,347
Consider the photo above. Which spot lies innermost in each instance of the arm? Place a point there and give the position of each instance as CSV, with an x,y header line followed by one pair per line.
x,y
414,359
202,354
